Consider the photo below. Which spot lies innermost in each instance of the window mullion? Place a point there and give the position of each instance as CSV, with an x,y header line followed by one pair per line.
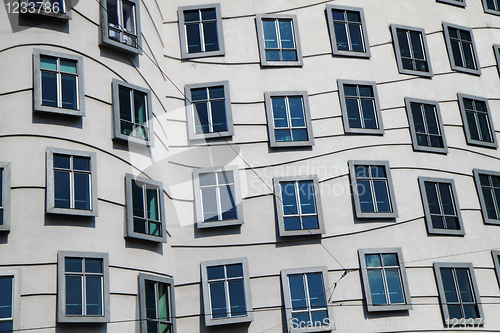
x,y
288,116
461,47
157,312
360,107
308,298
426,127
440,203
209,112
218,197
119,5
278,38
202,33
374,197
226,290
145,210
84,288
457,290
132,107
71,184
348,32
410,48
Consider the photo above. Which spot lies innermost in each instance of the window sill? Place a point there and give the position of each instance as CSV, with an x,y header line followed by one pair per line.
x,y
70,211
395,307
215,224
121,47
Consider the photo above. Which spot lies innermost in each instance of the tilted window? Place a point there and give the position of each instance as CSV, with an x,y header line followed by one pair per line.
x,y
83,287
288,119
411,49
372,189
71,182
279,43
426,125
348,31
491,7
145,209
461,49
496,50
458,293
4,197
384,279
217,197
157,304
58,83
298,206
226,292
442,212
208,108
488,189
305,294
132,113
496,262
360,107
120,25
10,293
200,29
460,3
478,125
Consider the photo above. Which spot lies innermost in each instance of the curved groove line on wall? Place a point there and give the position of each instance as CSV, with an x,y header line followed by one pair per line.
x,y
154,25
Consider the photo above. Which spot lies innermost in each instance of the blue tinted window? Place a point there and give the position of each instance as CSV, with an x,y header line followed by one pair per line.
x,y
201,30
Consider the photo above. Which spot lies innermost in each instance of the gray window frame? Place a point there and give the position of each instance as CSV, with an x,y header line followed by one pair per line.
x,y
16,296
104,39
496,262
129,230
115,85
279,206
61,288
50,186
427,214
190,111
482,202
270,119
288,303
343,108
442,297
496,51
366,281
183,37
390,189
142,299
198,204
6,187
468,137
397,52
491,11
477,70
37,84
261,42
333,37
459,3
413,133
206,293
62,15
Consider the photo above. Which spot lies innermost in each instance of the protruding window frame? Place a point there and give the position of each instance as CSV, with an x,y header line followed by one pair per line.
x,y
198,203
50,181
129,230
207,297
366,282
459,3
190,112
470,141
475,71
16,296
489,10
268,96
6,196
116,84
183,36
61,288
142,299
397,50
260,39
333,36
482,201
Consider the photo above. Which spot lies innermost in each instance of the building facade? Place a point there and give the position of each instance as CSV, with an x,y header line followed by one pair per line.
x,y
249,166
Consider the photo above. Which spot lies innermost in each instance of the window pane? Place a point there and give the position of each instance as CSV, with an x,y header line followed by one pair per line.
x,y
74,301
404,47
137,200
484,127
150,300
68,66
341,36
471,122
94,295
490,206
270,37
468,57
372,260
128,17
365,196
81,163
199,94
430,116
62,189
228,204
140,108
218,300
93,265
289,55
152,327
369,113
210,36
356,37
219,121
457,57
82,190
353,113
225,177
416,44
418,120
454,311
446,199
62,161
163,301
350,90
201,118
125,104
297,292
286,34
208,14
5,297
1,190
234,270
390,259
237,298
310,222
49,89
432,198
6,326
449,285
292,223
279,112
289,198
152,204
193,38
394,286
316,290
296,111
306,193
464,285
48,63
73,264
365,91
207,179
209,201
112,9
282,135
377,287
215,272
191,15
338,15
381,196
